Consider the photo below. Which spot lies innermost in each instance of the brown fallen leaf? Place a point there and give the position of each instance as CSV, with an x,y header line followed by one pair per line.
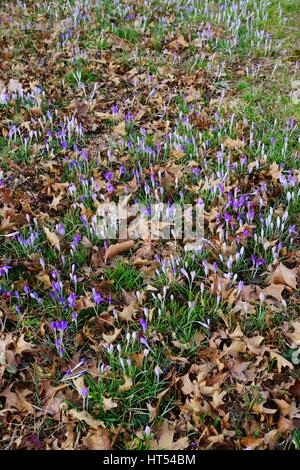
x,y
126,385
165,439
285,276
36,112
138,358
81,108
295,335
18,400
109,404
44,278
52,238
275,291
128,311
14,85
271,438
295,390
86,417
118,248
56,201
283,406
188,387
281,361
233,143
274,171
109,339
178,43
154,410
251,442
97,440
120,129
285,424
23,346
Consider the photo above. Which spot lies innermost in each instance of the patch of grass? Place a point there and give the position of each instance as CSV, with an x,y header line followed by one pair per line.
x,y
125,277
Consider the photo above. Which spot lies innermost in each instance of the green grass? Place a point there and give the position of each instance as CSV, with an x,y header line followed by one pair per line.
x,y
125,277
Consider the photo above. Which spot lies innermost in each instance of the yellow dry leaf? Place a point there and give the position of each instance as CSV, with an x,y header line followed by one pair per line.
x,y
128,311
120,129
85,416
97,440
23,346
52,238
281,361
165,439
233,143
45,279
109,339
285,276
109,404
56,201
126,385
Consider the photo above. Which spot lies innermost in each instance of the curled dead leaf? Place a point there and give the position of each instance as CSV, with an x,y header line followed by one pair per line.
x,y
52,238
118,248
97,440
127,385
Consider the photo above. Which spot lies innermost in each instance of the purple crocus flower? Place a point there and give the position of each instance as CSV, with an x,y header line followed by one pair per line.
x,y
71,300
110,188
62,325
144,341
4,270
76,240
292,230
60,229
97,297
53,325
143,324
108,176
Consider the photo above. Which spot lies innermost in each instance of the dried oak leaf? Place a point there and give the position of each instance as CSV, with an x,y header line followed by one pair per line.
x,y
165,439
44,278
86,417
274,171
281,361
120,129
18,400
97,440
56,201
251,442
178,43
295,390
23,346
109,339
126,385
109,404
285,276
118,248
233,143
52,238
295,335
128,311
